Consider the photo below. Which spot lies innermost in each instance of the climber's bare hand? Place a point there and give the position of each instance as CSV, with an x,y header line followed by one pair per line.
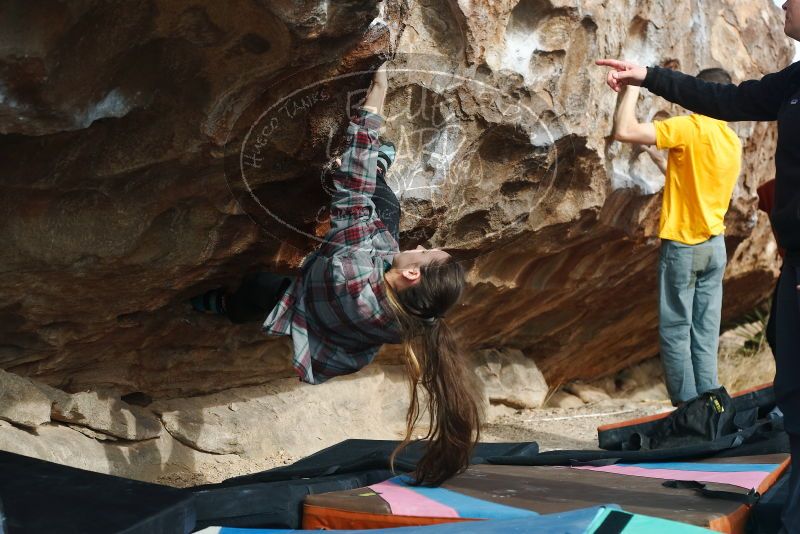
x,y
623,73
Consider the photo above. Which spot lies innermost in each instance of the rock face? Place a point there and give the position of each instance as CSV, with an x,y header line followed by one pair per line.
x,y
256,421
21,402
510,378
107,415
153,150
204,438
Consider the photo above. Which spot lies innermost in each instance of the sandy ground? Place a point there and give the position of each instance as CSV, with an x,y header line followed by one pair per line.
x,y
551,428
745,361
742,364
567,428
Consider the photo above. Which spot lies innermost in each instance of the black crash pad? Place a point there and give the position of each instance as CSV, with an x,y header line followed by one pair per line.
x,y
44,497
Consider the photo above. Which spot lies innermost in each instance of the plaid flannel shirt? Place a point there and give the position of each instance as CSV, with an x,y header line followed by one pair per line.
x,y
337,310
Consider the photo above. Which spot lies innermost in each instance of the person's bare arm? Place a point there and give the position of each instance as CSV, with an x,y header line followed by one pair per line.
x,y
657,157
376,93
627,128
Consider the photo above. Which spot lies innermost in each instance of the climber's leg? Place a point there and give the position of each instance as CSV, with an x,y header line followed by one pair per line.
x,y
387,206
210,302
256,296
676,284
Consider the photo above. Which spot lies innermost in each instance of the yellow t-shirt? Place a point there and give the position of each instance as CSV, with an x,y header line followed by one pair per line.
x,y
705,158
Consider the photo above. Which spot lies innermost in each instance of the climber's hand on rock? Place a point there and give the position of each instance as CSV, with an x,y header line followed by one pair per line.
x,y
623,73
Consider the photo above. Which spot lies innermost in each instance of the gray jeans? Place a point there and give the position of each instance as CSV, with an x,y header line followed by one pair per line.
x,y
689,314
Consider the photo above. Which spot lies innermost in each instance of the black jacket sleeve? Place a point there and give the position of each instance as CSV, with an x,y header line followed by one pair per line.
x,y
753,100
786,222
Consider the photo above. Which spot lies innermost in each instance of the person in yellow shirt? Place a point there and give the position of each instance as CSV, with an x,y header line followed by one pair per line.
x,y
703,166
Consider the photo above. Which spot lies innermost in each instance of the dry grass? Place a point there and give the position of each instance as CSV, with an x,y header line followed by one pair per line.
x,y
745,359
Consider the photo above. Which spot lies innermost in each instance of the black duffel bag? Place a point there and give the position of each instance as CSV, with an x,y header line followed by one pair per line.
x,y
707,417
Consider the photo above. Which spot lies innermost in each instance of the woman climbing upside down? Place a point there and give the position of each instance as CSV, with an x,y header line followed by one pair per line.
x,y
357,291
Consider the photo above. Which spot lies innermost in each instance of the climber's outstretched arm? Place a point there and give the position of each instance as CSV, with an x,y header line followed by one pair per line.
x,y
376,93
354,181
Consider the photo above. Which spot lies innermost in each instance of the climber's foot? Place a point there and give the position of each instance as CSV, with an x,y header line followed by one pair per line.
x,y
386,155
210,302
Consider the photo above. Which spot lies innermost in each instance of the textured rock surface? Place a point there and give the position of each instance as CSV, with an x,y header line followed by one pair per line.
x,y
510,378
162,458
257,421
21,402
205,438
126,131
587,392
107,414
562,399
118,201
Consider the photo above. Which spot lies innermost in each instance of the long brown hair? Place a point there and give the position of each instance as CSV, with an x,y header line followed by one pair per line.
x,y
433,361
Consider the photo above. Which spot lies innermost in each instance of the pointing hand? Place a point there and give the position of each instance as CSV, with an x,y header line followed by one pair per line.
x,y
623,73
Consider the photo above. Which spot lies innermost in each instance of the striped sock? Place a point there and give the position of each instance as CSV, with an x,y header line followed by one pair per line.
x,y
210,302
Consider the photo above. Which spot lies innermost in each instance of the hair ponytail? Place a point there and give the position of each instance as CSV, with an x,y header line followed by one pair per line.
x,y
433,361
